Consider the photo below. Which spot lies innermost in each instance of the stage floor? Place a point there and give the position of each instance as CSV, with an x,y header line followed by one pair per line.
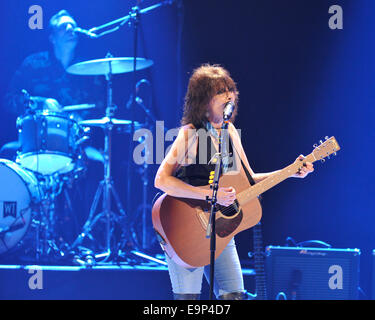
x,y
105,281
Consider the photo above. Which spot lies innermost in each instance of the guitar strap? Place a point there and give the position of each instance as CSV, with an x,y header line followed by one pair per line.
x,y
231,148
248,175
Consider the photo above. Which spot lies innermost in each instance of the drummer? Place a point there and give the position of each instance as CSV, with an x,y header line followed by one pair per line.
x,y
43,75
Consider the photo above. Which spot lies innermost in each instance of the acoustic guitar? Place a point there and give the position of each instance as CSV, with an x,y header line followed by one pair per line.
x,y
181,223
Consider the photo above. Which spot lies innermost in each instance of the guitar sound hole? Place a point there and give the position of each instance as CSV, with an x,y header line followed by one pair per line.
x,y
229,211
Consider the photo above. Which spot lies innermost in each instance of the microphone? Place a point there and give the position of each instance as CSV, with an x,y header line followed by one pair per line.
x,y
87,33
137,99
142,82
228,110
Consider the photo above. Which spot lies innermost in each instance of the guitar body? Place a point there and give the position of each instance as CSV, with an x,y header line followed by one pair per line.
x,y
182,223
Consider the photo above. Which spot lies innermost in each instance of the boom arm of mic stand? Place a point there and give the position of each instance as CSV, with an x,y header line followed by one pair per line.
x,y
127,18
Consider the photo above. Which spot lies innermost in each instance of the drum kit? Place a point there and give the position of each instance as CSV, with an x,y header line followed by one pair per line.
x,y
49,157
52,153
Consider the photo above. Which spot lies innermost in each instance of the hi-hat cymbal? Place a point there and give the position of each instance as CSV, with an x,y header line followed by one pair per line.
x,y
106,120
108,65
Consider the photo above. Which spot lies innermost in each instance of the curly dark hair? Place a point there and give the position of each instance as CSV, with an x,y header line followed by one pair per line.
x,y
206,82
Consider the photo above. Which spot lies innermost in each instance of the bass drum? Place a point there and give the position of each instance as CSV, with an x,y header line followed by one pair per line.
x,y
19,195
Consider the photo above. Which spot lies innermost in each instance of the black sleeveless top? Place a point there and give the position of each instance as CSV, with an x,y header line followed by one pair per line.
x,y
197,174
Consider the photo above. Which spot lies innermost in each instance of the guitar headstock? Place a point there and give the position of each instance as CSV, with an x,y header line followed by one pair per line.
x,y
324,149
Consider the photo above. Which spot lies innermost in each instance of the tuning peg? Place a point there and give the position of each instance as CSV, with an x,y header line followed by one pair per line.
x,y
326,137
315,145
322,160
320,141
335,153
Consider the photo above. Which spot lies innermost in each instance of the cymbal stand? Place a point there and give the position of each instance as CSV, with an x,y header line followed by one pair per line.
x,y
106,184
106,187
135,22
145,208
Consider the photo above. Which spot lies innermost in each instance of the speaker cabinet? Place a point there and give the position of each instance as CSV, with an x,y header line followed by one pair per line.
x,y
296,273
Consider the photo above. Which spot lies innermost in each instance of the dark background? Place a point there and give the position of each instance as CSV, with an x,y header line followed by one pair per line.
x,y
299,81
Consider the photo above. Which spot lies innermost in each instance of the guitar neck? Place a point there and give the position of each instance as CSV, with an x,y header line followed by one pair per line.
x,y
268,183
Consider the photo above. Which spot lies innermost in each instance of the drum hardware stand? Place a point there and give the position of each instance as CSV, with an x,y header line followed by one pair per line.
x,y
106,187
133,20
145,207
45,224
41,224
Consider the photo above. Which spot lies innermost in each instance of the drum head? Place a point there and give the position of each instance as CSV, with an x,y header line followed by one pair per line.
x,y
15,201
46,163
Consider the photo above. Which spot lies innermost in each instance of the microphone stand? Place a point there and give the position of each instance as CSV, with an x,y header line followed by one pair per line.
x,y
121,21
211,228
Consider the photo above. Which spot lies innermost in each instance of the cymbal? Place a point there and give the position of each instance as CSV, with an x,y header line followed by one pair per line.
x,y
106,120
77,107
103,66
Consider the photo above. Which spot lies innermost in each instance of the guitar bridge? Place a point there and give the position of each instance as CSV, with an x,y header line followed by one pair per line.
x,y
202,219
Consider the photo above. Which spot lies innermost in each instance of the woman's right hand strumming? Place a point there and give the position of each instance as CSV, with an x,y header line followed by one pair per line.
x,y
226,196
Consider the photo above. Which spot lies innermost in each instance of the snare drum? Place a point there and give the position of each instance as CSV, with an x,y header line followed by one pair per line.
x,y
48,142
19,193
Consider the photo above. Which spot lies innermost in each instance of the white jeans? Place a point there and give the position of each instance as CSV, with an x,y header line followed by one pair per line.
x,y
228,274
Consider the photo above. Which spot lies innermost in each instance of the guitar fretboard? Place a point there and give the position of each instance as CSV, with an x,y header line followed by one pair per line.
x,y
266,184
